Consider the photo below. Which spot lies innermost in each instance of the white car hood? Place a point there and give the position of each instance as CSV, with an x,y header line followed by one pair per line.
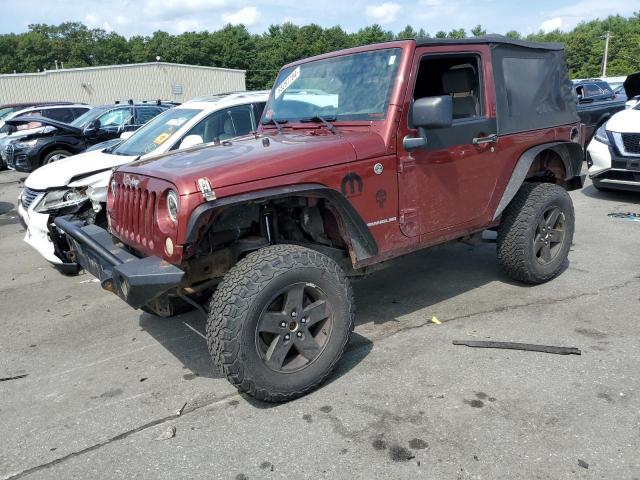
x,y
60,173
625,121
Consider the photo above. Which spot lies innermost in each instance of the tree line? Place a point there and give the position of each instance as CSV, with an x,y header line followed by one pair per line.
x,y
72,44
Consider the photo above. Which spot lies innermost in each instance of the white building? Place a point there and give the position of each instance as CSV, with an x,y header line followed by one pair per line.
x,y
140,81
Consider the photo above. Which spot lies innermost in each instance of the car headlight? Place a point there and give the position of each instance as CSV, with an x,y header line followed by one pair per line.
x,y
58,199
172,205
28,145
601,135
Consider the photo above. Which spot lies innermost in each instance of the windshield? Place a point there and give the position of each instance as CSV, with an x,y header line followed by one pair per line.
x,y
87,117
156,132
348,87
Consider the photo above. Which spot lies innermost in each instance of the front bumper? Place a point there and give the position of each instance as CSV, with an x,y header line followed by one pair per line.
x,y
607,169
137,281
18,159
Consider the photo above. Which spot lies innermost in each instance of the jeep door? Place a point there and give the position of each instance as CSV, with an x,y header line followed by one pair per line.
x,y
446,186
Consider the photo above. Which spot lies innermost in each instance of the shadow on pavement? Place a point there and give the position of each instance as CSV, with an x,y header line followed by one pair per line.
x,y
618,196
5,207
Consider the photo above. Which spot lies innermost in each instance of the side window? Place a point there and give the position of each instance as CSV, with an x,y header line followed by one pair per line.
x,y
224,124
457,76
79,111
64,115
591,90
258,108
144,114
115,118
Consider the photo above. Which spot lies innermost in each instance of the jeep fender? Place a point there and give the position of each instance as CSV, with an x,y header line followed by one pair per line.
x,y
570,153
360,239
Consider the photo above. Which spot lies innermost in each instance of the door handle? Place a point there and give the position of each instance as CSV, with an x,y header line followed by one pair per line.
x,y
488,139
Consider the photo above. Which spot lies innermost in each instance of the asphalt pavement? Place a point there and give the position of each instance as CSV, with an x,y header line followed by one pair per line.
x,y
93,389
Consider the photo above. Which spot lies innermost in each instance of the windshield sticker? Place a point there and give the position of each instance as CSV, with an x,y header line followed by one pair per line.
x,y
286,83
160,139
176,122
392,59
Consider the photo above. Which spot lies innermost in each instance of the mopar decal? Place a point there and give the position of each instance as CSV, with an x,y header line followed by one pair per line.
x,y
286,83
354,182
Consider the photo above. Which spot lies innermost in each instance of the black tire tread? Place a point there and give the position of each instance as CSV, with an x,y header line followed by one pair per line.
x,y
512,233
233,297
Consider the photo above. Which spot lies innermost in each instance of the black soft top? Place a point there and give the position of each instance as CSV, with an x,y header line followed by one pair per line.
x,y
532,85
489,40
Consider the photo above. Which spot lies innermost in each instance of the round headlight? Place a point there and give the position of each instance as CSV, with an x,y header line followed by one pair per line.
x,y
172,205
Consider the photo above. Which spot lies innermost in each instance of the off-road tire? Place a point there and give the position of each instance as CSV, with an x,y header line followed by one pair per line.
x,y
242,297
47,158
517,232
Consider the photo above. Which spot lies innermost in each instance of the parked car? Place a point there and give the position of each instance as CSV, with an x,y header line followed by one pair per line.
x,y
613,156
424,142
596,103
79,184
61,140
8,108
65,113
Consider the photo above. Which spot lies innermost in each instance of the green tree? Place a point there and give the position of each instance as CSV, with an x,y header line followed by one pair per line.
x,y
478,31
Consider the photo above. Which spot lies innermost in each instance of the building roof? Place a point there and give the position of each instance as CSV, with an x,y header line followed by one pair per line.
x,y
126,65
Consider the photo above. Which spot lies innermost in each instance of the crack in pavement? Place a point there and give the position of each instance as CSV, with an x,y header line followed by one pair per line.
x,y
121,436
506,308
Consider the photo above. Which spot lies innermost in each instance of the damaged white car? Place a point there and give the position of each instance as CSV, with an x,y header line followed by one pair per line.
x,y
78,185
613,156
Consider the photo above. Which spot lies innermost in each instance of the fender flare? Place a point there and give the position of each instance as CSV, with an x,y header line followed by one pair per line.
x,y
363,244
570,153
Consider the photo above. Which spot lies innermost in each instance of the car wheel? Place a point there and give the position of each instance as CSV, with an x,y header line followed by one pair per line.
x,y
280,321
54,156
536,232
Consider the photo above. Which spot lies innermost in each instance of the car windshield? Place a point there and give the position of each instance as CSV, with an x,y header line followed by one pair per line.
x,y
6,111
347,87
156,132
88,117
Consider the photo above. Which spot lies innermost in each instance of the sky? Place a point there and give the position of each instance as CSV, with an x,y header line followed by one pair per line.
x,y
143,17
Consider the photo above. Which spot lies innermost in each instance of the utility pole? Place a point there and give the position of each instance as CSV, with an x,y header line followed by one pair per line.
x,y
607,37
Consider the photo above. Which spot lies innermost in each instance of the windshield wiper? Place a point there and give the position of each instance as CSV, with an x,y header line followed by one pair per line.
x,y
277,123
325,121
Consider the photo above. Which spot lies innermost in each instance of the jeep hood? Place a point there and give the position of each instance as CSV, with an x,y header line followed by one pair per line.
x,y
255,158
63,172
44,121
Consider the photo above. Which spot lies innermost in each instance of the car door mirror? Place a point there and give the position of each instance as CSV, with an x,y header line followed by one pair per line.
x,y
190,141
427,113
125,135
92,128
432,112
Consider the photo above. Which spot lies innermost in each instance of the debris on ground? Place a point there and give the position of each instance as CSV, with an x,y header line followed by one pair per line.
x,y
632,217
16,377
435,320
520,346
179,412
167,434
583,464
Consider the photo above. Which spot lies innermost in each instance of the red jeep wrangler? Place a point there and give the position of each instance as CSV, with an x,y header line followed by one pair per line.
x,y
362,155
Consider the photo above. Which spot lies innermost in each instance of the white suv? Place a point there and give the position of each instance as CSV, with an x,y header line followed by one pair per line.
x,y
613,156
78,185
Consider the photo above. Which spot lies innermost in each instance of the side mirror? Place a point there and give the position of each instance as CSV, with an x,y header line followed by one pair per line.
x,y
92,128
190,141
125,135
432,112
428,112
